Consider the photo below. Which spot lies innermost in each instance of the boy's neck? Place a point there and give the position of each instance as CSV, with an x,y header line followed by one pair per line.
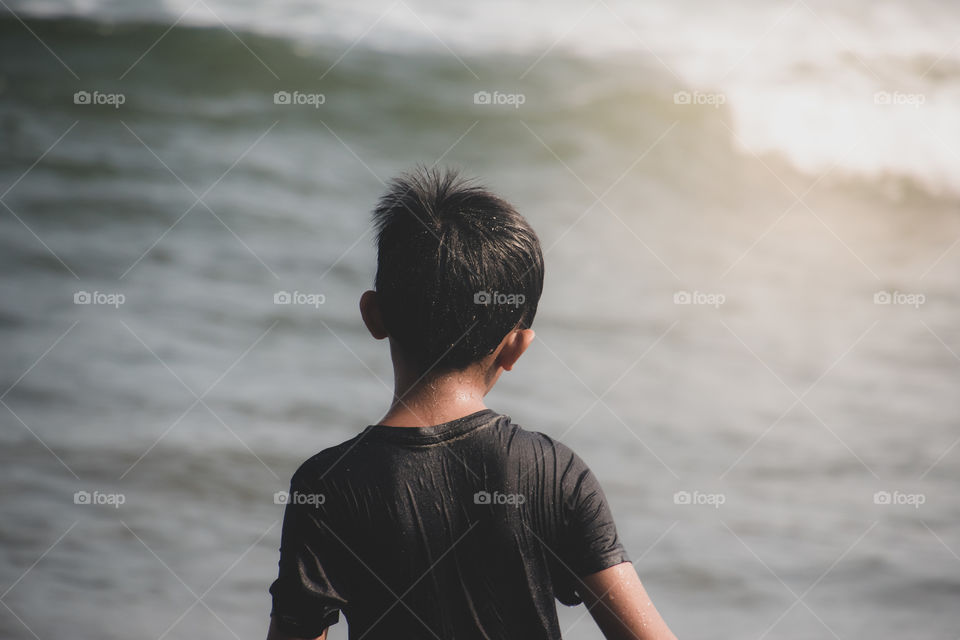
x,y
436,401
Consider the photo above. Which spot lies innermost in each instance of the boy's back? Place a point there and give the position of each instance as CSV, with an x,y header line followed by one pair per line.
x,y
467,529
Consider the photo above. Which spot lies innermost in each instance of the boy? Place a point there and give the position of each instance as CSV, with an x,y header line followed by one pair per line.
x,y
445,520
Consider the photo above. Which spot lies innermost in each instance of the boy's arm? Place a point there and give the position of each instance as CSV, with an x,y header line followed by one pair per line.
x,y
621,607
275,634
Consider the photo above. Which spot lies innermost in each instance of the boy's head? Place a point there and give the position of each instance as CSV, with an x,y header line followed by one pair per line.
x,y
458,269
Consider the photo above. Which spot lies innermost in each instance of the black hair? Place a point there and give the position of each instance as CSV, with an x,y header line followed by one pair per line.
x,y
457,269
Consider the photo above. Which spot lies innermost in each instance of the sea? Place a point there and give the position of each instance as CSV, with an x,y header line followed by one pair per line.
x,y
750,326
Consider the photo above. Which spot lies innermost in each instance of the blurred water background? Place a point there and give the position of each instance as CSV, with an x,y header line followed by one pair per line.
x,y
790,169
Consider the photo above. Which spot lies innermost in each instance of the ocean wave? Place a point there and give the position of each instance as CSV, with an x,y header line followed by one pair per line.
x,y
822,113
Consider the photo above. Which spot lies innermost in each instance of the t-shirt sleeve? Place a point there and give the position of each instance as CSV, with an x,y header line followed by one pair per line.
x,y
588,540
305,600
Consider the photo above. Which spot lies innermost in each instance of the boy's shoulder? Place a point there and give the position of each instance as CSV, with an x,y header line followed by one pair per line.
x,y
344,458
324,463
536,439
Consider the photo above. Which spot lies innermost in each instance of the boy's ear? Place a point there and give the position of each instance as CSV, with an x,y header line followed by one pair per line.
x,y
513,346
372,317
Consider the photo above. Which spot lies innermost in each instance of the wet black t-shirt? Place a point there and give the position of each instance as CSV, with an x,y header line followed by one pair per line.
x,y
467,529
